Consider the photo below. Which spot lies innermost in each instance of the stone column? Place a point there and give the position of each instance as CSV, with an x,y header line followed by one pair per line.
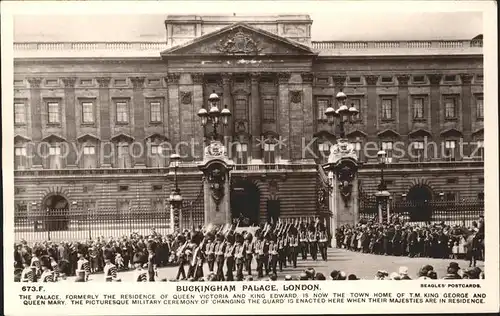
x,y
69,95
105,122
403,95
372,123
174,108
36,120
227,99
139,121
255,115
466,115
197,105
435,100
307,112
284,114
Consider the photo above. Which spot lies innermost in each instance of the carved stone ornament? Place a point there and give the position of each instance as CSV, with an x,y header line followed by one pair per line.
x,y
103,82
295,96
403,79
137,82
216,178
69,82
173,78
339,80
371,79
307,77
343,149
283,77
345,177
239,43
215,150
186,97
35,82
197,78
435,78
466,78
323,199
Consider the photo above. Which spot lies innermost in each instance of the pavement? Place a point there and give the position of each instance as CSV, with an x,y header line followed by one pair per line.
x,y
364,266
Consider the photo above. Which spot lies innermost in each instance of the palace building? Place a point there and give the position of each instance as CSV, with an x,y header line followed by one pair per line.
x,y
95,122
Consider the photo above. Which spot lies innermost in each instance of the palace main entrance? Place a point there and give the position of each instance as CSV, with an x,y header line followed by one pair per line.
x,y
56,209
245,203
420,198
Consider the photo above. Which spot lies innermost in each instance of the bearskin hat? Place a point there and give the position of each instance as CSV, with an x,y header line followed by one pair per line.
x,y
274,237
151,245
210,236
181,238
197,238
45,262
249,237
230,238
139,257
239,238
108,254
220,237
258,233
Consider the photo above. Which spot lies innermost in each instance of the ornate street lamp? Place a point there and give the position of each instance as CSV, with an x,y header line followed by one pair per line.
x,y
382,193
344,113
175,198
214,114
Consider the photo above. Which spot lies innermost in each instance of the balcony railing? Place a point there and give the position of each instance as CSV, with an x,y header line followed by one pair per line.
x,y
324,48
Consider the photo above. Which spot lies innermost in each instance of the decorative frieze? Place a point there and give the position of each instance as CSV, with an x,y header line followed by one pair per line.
x,y
137,82
435,78
466,78
69,82
173,78
371,80
307,77
103,82
339,80
403,79
35,82
283,77
197,78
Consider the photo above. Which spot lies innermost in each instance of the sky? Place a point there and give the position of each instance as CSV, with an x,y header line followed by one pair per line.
x,y
359,20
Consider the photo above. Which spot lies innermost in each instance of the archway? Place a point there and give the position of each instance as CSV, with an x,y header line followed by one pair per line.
x,y
420,209
56,210
245,203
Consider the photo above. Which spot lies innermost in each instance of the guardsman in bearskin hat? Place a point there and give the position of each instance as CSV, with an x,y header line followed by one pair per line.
x,y
304,243
239,254
261,249
273,253
313,242
151,247
229,256
210,251
139,260
27,275
323,243
47,274
35,264
181,256
220,247
249,250
83,265
293,245
198,256
282,248
110,270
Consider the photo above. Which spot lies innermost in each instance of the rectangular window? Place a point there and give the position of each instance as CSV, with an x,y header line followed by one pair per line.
x,y
356,102
450,78
122,188
19,113
322,105
122,112
479,78
480,196
155,111
157,156
123,209
51,82
322,80
449,152
18,82
268,110
450,108
418,79
450,196
386,109
418,147
418,108
241,154
269,153
387,147
55,158
324,151
20,158
386,79
123,156
355,79
358,148
479,107
120,82
21,213
89,157
87,112
451,181
154,81
157,188
86,82
240,109
53,112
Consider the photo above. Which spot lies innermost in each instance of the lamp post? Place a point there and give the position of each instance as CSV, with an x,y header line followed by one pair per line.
x,y
175,198
382,193
214,114
344,114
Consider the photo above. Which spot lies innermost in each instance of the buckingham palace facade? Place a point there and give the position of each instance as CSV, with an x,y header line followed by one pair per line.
x,y
95,122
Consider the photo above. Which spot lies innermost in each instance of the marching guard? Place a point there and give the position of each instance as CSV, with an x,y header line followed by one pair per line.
x,y
249,250
323,244
198,256
293,246
219,256
261,248
229,256
140,275
47,273
210,252
282,248
313,243
273,252
239,254
110,270
304,243
180,254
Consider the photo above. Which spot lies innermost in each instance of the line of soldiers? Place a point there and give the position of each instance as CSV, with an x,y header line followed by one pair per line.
x,y
272,246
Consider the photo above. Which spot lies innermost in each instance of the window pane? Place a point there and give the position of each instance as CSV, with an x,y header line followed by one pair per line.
x,y
269,147
53,111
268,109
122,112
357,146
155,111
387,145
19,113
323,104
418,108
87,112
480,109
450,108
387,108
89,150
154,149
20,151
240,109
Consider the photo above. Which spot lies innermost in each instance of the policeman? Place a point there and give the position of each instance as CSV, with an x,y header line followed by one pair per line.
x,y
249,250
229,257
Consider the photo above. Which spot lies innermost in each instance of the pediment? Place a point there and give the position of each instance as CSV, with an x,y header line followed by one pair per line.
x,y
157,136
53,138
420,133
388,133
356,133
478,132
87,137
239,39
451,132
325,135
122,137
21,139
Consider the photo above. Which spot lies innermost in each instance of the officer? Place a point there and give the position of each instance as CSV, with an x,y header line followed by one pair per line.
x,y
249,250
